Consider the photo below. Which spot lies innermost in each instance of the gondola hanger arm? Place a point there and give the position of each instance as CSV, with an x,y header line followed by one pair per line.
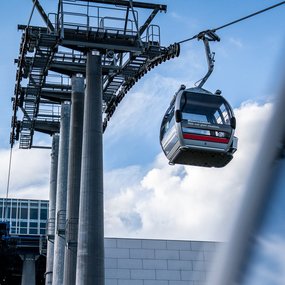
x,y
206,37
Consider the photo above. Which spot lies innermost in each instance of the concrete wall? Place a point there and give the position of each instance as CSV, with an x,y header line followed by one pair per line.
x,y
157,262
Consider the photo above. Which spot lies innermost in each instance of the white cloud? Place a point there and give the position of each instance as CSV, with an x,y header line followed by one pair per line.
x,y
158,201
130,116
29,173
187,202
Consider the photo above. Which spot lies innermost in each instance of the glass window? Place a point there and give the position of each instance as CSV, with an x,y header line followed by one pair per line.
x,y
44,204
42,231
204,108
43,225
23,230
24,213
23,224
33,231
43,214
168,123
14,212
195,117
8,212
33,225
33,213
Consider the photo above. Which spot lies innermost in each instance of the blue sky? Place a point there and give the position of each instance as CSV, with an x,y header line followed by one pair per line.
x,y
138,181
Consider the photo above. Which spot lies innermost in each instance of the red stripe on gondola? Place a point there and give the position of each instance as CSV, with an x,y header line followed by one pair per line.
x,y
205,138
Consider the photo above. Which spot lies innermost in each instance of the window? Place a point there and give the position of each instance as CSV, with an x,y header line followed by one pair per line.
x,y
43,214
24,213
14,212
33,225
23,231
23,224
201,118
168,123
33,214
33,231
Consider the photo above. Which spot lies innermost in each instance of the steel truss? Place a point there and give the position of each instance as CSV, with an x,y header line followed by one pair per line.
x,y
51,54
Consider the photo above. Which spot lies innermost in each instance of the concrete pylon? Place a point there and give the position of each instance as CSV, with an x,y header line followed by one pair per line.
x,y
59,239
29,269
74,173
90,251
52,205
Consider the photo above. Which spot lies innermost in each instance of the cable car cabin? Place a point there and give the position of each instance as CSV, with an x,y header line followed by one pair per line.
x,y
198,129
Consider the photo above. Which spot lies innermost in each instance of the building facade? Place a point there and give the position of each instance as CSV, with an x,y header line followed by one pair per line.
x,y
25,216
157,262
127,261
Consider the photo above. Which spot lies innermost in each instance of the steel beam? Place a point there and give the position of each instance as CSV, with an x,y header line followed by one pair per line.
x,y
74,175
127,4
84,45
90,252
44,15
59,243
52,206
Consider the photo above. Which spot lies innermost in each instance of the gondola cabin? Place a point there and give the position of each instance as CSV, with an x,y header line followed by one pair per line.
x,y
198,129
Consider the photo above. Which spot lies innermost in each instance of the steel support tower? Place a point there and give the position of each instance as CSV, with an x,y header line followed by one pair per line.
x,y
104,41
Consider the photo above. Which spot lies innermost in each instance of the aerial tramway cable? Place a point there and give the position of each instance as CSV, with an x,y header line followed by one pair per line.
x,y
235,21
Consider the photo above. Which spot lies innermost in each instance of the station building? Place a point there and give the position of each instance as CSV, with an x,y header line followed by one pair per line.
x,y
127,261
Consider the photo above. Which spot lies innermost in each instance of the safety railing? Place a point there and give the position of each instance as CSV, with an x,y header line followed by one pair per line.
x,y
50,229
71,232
89,17
61,222
153,35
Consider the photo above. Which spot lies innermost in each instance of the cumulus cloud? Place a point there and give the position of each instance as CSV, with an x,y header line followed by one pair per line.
x,y
158,200
184,202
29,173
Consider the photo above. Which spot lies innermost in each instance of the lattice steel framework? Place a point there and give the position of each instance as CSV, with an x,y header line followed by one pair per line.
x,y
49,55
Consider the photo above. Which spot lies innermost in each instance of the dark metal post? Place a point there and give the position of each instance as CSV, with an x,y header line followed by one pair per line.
x,y
90,252
59,240
52,206
73,183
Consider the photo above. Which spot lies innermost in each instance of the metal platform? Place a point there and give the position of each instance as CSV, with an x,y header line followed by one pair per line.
x,y
51,54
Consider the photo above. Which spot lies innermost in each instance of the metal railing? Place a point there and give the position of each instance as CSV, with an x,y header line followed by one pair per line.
x,y
71,232
61,222
50,229
89,17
